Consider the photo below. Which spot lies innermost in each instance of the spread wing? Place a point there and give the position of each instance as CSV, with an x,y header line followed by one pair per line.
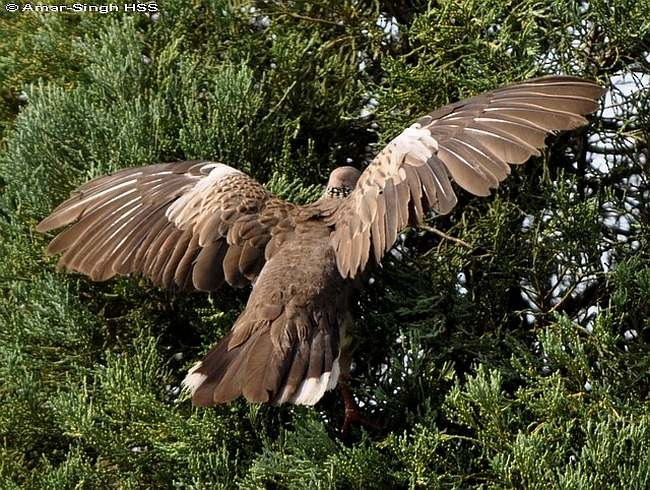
x,y
471,142
187,224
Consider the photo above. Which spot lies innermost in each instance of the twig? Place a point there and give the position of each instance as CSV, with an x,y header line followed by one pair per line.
x,y
306,17
444,235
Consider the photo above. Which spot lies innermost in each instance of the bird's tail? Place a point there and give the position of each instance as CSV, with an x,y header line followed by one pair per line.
x,y
300,373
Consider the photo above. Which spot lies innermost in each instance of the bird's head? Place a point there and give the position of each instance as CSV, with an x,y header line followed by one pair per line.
x,y
342,181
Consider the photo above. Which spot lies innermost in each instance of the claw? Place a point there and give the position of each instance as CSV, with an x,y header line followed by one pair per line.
x,y
353,413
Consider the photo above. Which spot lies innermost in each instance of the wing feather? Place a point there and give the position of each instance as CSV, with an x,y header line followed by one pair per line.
x,y
472,141
167,221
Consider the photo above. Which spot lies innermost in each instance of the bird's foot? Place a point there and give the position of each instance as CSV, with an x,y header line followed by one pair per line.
x,y
354,416
353,413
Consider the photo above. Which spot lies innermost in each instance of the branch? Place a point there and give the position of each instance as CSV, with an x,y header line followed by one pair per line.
x,y
444,235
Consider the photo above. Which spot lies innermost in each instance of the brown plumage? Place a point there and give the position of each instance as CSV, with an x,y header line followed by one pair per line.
x,y
195,225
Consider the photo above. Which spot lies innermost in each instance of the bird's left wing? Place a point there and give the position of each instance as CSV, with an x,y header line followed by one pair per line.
x,y
471,141
191,225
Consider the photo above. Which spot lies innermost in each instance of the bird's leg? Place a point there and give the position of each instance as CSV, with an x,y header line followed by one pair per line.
x,y
352,411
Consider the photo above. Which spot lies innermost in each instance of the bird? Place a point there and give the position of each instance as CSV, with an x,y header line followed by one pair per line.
x,y
196,225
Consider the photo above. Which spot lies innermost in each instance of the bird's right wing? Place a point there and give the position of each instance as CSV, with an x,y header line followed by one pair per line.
x,y
472,141
190,225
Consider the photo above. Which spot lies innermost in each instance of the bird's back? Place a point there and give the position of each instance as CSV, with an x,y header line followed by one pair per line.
x,y
285,346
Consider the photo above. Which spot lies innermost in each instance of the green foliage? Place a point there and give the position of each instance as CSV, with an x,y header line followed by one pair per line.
x,y
503,346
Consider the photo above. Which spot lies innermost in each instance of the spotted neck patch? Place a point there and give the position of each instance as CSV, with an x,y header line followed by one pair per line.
x,y
338,192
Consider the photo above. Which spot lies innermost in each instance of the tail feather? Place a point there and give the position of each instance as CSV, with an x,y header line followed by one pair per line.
x,y
206,381
261,372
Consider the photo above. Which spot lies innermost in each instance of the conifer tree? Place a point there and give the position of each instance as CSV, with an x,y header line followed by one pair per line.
x,y
505,345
